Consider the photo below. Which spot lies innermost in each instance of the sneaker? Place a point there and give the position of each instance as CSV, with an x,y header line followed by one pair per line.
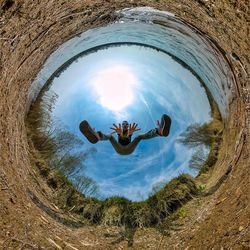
x,y
88,132
164,125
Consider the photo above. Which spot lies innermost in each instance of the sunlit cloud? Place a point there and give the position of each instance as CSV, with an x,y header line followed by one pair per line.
x,y
114,87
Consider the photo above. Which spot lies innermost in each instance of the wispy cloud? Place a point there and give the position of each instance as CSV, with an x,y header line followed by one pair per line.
x,y
178,166
146,162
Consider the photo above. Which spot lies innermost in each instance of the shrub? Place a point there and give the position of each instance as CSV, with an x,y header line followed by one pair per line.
x,y
92,210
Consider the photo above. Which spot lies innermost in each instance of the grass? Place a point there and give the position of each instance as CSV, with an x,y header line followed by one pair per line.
x,y
151,212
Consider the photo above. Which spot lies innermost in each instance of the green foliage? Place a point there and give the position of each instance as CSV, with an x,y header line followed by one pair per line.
x,y
113,215
116,211
182,212
153,211
174,194
201,189
117,201
144,215
157,187
211,159
92,209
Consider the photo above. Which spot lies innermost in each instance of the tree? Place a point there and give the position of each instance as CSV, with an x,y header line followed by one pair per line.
x,y
86,185
198,158
197,135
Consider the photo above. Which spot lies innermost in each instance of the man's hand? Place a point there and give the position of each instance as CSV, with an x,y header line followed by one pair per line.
x,y
117,128
132,128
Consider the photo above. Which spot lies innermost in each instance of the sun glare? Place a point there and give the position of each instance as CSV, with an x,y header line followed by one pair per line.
x,y
114,87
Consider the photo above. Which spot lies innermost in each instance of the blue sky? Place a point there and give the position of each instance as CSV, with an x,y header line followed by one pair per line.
x,y
137,84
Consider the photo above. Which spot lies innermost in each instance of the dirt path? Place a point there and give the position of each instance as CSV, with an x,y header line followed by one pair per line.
x,y
29,32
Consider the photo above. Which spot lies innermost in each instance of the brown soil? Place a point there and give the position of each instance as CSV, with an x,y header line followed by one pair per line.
x,y
29,32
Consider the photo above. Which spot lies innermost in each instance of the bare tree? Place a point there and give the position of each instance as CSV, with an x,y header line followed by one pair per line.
x,y
198,158
197,135
86,185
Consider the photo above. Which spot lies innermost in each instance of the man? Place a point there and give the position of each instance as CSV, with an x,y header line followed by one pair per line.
x,y
124,145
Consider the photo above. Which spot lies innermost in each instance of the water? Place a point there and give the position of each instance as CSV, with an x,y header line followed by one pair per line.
x,y
129,79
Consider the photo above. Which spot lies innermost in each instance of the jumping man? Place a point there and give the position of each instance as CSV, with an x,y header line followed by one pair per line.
x,y
124,145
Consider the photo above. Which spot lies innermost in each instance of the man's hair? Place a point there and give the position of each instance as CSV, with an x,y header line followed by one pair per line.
x,y
124,123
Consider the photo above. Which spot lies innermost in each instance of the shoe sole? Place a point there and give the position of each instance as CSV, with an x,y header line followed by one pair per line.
x,y
166,124
88,132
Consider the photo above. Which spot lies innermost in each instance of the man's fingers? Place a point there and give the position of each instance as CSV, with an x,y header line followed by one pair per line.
x,y
135,125
131,128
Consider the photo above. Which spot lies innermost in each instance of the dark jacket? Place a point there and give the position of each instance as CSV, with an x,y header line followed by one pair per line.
x,y
123,139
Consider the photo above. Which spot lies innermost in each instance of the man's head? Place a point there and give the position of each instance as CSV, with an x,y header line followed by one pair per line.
x,y
125,125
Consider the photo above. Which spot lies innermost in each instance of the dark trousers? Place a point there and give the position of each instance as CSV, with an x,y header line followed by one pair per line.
x,y
128,149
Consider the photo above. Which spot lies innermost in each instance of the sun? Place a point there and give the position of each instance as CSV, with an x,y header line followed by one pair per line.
x,y
114,87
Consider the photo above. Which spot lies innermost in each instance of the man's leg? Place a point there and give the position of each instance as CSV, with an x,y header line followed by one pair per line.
x,y
88,132
120,149
94,137
91,134
164,125
150,134
162,130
